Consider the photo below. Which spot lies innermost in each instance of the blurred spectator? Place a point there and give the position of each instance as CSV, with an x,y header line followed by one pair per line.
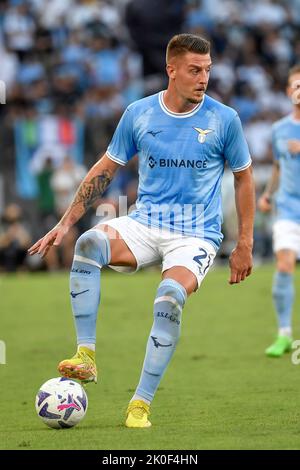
x,y
53,13
245,102
65,182
52,153
9,68
31,70
46,204
48,136
268,12
19,28
15,239
258,135
152,27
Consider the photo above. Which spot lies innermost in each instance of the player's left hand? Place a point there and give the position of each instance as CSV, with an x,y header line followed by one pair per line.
x,y
240,263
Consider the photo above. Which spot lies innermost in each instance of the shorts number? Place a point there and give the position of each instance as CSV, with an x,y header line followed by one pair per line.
x,y
199,260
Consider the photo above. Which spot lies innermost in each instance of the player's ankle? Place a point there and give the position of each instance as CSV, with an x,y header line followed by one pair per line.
x,y
285,331
138,397
90,346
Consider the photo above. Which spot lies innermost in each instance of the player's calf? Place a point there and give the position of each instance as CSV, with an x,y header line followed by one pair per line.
x,y
162,342
92,251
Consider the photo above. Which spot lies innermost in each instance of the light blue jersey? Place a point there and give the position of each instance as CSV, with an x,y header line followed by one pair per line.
x,y
181,162
288,194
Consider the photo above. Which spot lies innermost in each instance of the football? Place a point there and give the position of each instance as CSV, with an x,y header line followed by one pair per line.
x,y
61,403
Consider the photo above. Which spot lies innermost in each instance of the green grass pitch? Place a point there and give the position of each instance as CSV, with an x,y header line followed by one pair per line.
x,y
220,391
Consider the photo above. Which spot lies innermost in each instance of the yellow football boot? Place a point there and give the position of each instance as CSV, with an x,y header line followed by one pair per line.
x,y
82,366
137,415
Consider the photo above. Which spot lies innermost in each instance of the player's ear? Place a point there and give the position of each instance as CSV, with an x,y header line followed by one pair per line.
x,y
293,87
293,90
171,71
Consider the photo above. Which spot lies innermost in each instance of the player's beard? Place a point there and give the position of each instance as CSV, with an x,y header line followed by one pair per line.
x,y
193,100
196,100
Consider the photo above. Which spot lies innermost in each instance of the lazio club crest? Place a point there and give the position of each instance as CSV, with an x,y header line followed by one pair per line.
x,y
202,133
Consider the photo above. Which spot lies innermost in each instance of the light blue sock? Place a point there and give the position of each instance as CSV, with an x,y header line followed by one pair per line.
x,y
168,304
92,251
283,297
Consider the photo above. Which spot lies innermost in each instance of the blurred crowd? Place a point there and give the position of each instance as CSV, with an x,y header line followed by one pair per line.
x,y
71,67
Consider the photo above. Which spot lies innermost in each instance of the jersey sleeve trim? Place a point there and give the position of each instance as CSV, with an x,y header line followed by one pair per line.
x,y
115,159
235,170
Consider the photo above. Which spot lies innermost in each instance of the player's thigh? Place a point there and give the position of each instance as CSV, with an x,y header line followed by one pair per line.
x,y
286,244
187,260
121,255
286,260
133,246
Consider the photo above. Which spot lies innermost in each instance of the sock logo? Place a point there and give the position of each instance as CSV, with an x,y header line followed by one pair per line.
x,y
157,344
74,294
171,317
80,271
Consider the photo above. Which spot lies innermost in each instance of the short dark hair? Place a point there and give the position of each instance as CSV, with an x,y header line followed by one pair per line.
x,y
293,70
182,43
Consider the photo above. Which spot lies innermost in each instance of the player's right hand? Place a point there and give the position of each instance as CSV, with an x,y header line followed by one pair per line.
x,y
294,146
264,203
54,237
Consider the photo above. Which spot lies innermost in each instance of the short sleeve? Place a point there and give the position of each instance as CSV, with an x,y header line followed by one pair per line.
x,y
236,149
122,146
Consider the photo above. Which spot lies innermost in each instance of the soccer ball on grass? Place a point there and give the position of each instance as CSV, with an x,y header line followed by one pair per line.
x,y
61,403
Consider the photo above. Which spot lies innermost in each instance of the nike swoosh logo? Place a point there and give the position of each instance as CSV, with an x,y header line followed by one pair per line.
x,y
74,294
157,344
150,373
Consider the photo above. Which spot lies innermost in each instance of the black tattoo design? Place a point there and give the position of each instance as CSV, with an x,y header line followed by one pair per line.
x,y
92,190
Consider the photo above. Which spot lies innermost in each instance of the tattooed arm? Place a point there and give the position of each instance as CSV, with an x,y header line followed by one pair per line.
x,y
90,190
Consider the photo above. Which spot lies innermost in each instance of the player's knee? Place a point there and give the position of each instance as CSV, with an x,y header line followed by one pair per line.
x,y
285,266
172,289
93,245
285,261
168,305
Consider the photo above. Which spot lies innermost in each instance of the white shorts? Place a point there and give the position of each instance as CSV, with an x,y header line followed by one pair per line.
x,y
152,246
286,236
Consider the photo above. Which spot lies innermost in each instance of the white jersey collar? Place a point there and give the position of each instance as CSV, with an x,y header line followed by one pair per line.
x,y
178,115
293,120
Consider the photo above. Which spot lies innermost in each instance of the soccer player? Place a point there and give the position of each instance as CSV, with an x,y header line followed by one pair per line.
x,y
285,178
183,139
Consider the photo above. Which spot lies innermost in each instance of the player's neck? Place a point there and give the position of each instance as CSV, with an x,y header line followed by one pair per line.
x,y
296,113
176,104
